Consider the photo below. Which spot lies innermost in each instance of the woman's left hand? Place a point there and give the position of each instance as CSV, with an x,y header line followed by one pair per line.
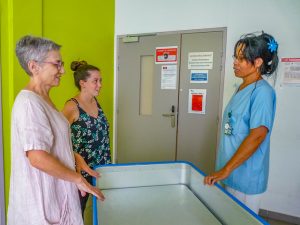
x,y
216,176
82,166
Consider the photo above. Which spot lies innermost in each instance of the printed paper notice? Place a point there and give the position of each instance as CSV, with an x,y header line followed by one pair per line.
x,y
291,74
200,60
166,55
199,76
197,101
168,76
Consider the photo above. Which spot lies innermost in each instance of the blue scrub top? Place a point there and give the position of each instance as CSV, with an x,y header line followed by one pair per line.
x,y
252,107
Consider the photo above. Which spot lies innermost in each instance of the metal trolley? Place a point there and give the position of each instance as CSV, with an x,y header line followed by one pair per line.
x,y
165,193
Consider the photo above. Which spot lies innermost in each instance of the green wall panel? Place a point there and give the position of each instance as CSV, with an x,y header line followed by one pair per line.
x,y
85,29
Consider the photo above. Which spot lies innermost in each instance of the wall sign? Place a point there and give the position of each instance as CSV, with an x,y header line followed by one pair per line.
x,y
199,76
200,60
168,76
197,101
291,71
166,55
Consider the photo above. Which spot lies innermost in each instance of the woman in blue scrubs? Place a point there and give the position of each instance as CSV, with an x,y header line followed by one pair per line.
x,y
243,154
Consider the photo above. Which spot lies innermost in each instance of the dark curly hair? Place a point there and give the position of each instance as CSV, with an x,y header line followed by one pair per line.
x,y
258,46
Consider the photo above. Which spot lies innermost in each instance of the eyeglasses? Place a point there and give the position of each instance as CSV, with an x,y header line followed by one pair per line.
x,y
238,58
59,64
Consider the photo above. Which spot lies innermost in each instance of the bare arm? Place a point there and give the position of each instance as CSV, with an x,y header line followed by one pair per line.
x,y
70,111
52,166
82,166
246,149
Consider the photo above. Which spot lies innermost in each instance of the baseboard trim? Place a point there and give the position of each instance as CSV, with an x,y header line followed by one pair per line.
x,y
279,216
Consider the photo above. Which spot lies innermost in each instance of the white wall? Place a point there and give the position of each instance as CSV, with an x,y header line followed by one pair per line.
x,y
277,17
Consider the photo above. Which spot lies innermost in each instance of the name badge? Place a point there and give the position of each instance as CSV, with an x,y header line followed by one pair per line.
x,y
228,127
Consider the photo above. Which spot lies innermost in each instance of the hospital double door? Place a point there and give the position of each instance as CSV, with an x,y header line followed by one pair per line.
x,y
169,97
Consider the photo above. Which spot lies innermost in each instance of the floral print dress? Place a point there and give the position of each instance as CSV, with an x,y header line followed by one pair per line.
x,y
90,137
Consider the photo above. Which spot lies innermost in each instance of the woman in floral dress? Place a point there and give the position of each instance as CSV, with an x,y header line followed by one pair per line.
x,y
89,126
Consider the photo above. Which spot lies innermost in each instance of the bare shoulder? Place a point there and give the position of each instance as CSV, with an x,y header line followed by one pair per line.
x,y
70,105
70,111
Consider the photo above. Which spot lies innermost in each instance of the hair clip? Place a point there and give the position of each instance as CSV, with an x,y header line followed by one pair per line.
x,y
272,45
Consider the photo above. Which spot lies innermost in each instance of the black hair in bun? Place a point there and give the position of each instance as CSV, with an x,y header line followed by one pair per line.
x,y
81,71
75,65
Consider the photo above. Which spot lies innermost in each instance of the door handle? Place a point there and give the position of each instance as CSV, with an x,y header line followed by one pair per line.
x,y
168,114
172,115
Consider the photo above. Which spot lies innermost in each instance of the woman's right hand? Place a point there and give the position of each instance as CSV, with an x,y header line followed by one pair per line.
x,y
213,178
44,161
85,187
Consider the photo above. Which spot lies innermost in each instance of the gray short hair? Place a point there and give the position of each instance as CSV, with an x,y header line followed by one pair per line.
x,y
33,48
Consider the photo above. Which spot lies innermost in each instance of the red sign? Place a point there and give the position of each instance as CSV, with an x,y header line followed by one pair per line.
x,y
290,60
166,55
197,104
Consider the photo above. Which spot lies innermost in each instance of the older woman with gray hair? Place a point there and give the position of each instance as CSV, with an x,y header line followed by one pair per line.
x,y
43,183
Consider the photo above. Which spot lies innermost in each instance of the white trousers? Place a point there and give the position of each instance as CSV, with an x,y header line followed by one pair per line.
x,y
251,201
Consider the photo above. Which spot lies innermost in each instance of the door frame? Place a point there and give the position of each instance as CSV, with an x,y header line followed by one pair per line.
x,y
116,64
2,186
2,196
